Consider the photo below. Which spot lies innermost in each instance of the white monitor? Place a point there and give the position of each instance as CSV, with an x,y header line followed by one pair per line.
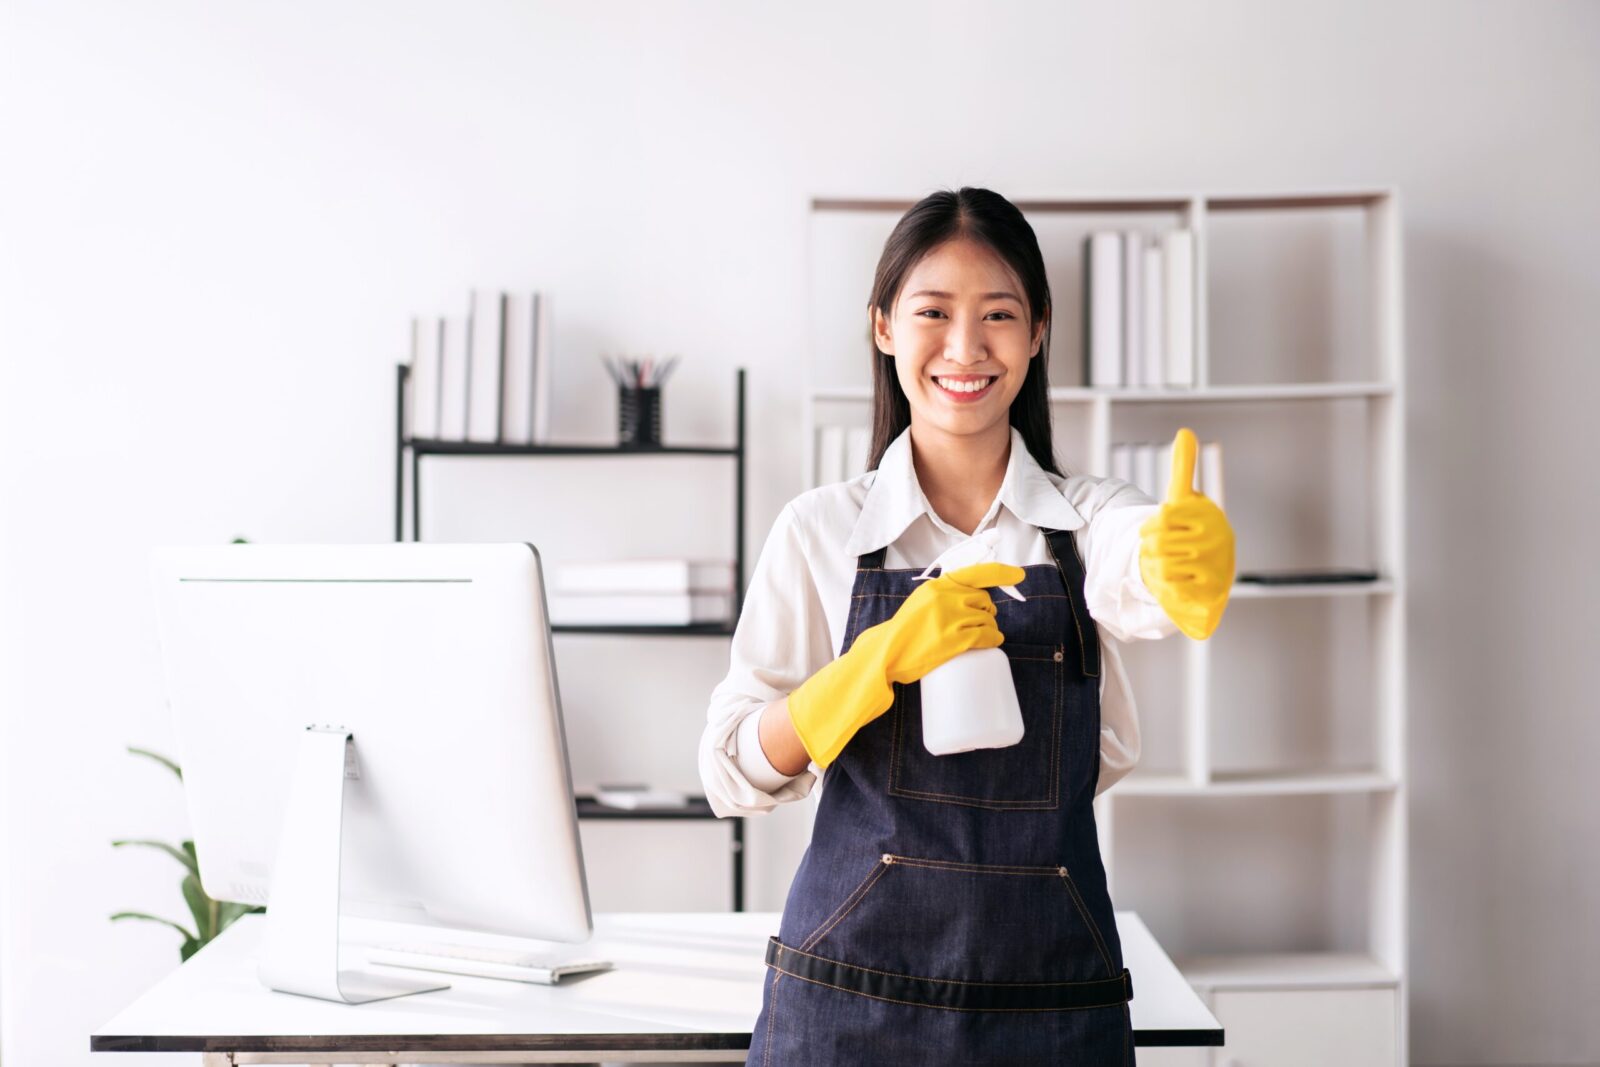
x,y
372,729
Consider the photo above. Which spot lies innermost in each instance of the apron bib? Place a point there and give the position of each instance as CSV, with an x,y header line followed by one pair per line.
x,y
953,909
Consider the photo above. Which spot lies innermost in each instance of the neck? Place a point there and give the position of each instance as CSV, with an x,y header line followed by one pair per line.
x,y
960,474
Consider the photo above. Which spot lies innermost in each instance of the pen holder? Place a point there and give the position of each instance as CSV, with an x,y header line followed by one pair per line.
x,y
639,417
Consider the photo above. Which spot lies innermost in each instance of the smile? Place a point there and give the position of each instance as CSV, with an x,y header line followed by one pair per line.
x,y
965,389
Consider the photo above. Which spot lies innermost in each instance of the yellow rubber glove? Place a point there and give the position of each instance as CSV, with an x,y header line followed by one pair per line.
x,y
942,618
1186,549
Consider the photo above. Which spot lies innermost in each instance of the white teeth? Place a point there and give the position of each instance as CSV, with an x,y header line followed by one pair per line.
x,y
963,387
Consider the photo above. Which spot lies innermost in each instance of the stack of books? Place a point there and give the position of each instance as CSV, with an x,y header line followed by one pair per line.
x,y
841,453
1148,465
1138,309
484,376
641,592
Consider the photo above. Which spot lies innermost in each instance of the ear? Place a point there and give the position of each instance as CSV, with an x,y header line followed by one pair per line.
x,y
882,336
1038,335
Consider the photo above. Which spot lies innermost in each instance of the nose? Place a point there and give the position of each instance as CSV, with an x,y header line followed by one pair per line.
x,y
964,341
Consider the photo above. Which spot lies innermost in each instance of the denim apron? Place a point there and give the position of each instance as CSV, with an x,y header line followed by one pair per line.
x,y
953,909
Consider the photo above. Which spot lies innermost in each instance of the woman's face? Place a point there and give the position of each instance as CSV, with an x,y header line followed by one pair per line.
x,y
959,323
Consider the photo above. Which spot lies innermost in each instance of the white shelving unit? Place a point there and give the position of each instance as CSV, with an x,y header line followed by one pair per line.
x,y
1345,1000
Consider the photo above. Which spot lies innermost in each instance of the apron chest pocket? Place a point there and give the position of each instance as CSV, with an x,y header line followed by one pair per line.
x,y
1025,776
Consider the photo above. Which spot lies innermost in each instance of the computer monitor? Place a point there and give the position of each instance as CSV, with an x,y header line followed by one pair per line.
x,y
374,730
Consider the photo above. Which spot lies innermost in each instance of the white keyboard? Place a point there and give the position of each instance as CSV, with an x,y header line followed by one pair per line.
x,y
516,965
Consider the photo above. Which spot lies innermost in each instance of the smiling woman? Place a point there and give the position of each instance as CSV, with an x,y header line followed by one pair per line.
x,y
951,907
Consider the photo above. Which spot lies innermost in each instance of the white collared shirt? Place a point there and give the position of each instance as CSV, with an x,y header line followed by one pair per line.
x,y
798,602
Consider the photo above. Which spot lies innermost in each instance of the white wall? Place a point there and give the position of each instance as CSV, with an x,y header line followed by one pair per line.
x,y
218,219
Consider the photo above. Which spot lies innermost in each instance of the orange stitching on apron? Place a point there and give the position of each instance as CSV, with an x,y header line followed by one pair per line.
x,y
980,868
941,1007
925,978
1083,913
772,1017
852,900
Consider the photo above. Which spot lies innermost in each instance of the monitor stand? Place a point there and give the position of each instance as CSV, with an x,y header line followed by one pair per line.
x,y
300,953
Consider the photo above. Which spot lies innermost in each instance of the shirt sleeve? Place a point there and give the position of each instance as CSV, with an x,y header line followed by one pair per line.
x,y
781,639
1120,740
1113,587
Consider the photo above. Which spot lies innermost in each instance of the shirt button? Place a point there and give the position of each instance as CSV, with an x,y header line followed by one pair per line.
x,y
1058,657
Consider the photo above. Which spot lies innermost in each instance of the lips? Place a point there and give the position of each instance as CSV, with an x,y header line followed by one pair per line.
x,y
967,395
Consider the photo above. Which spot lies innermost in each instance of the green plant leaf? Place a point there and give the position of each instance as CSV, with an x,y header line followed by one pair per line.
x,y
202,907
159,758
181,855
190,947
153,919
228,911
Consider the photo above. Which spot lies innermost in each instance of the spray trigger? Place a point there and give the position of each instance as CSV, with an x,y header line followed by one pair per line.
x,y
976,549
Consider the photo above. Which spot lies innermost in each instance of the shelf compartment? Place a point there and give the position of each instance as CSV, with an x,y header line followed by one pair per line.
x,y
1289,286
1234,875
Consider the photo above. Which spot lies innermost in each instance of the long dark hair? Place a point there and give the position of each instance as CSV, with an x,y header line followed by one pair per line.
x,y
991,220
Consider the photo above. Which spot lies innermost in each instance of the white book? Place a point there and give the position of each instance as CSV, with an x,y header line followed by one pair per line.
x,y
541,368
483,367
638,609
1122,463
516,361
1144,468
1209,469
856,443
1102,308
830,454
642,576
422,416
453,378
1177,248
1153,373
1133,308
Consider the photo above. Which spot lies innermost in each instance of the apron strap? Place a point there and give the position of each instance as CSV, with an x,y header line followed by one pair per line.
x,y
1064,550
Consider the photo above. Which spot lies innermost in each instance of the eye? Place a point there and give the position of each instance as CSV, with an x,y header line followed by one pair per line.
x,y
927,311
1006,314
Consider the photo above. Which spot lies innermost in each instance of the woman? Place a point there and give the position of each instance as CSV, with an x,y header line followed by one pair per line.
x,y
953,909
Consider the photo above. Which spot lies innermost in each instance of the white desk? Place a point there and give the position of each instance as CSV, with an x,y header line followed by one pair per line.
x,y
687,986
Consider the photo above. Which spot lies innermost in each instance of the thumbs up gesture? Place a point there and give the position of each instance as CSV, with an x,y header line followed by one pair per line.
x,y
1186,549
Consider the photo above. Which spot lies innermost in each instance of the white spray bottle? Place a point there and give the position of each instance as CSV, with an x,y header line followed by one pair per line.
x,y
969,701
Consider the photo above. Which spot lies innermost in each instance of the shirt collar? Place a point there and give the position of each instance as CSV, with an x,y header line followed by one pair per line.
x,y
895,499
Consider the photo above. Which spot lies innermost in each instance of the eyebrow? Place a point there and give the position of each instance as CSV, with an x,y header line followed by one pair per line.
x,y
941,294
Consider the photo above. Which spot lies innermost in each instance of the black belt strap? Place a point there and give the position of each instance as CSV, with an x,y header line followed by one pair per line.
x,y
945,993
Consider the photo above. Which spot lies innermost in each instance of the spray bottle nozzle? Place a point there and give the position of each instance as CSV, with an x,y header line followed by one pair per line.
x,y
978,548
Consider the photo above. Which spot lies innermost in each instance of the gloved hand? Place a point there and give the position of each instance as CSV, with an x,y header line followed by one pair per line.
x,y
1186,549
942,618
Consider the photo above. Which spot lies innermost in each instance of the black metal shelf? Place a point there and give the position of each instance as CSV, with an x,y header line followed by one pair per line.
x,y
428,447
589,808
693,629
698,808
